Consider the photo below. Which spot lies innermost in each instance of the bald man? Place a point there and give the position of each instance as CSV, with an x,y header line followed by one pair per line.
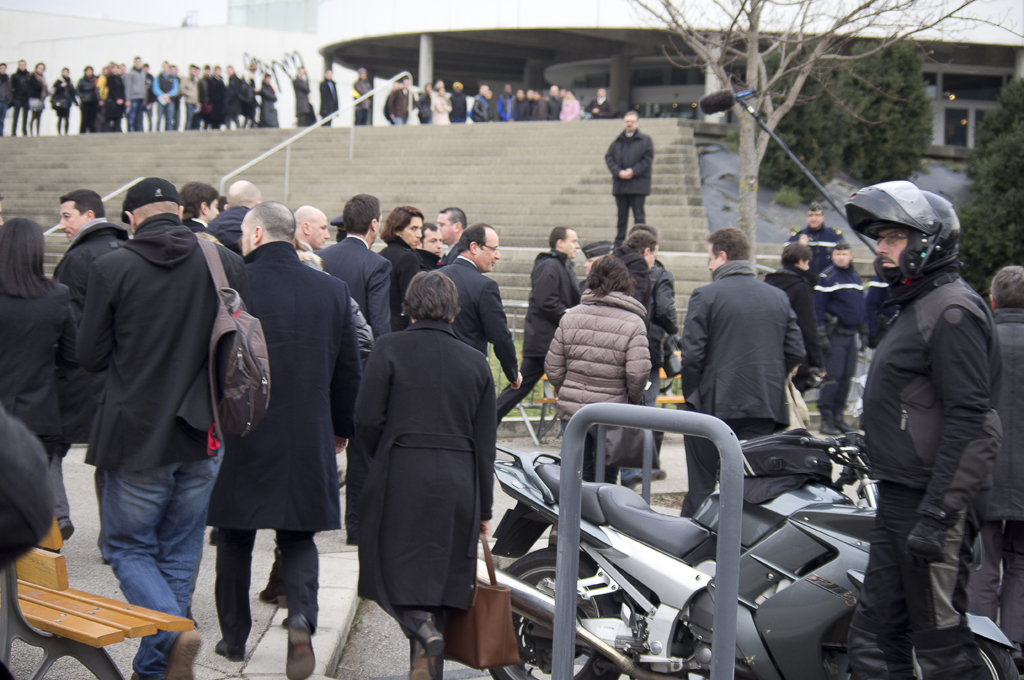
x,y
311,231
227,226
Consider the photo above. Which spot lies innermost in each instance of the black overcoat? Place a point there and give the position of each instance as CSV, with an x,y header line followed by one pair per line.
x,y
368,276
405,264
34,336
149,310
553,290
79,390
799,288
284,474
432,436
636,152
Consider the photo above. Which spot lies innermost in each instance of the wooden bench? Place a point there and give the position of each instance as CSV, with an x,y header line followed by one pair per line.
x,y
73,623
549,398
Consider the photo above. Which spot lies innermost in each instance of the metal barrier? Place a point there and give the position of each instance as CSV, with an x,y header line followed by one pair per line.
x,y
116,192
727,574
287,144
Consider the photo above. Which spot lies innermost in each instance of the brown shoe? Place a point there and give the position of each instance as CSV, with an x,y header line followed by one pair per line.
x,y
421,669
182,655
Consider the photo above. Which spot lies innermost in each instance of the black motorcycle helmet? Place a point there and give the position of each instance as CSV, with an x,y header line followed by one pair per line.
x,y
933,224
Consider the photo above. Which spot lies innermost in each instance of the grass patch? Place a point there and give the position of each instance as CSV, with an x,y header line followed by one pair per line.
x,y
668,500
787,197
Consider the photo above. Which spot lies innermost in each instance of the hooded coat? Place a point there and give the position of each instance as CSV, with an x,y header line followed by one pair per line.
x,y
799,288
432,476
78,389
284,474
553,291
149,311
599,353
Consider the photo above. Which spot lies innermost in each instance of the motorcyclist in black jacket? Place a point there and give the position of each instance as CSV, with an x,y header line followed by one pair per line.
x,y
932,433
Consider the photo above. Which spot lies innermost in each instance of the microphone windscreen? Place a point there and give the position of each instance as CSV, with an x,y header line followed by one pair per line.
x,y
716,102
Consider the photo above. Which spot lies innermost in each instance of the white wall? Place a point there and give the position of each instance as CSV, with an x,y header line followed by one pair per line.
x,y
54,40
343,20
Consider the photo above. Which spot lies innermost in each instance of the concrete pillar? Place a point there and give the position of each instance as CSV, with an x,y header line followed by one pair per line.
x,y
533,74
712,84
426,74
328,63
618,83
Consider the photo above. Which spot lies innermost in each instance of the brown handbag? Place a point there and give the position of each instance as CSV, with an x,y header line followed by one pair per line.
x,y
482,637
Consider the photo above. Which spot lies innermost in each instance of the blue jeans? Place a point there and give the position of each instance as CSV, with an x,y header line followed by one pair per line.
x,y
165,116
190,112
135,115
153,525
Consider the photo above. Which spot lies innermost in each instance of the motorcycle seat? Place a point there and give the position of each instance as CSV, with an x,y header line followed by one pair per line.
x,y
626,511
590,506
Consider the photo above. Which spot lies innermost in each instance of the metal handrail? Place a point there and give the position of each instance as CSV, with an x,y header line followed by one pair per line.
x,y
106,198
288,142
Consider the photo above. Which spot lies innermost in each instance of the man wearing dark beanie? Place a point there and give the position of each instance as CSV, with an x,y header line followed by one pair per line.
x,y
148,314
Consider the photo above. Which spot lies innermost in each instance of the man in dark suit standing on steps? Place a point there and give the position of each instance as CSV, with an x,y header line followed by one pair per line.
x,y
629,159
368,276
328,96
481,319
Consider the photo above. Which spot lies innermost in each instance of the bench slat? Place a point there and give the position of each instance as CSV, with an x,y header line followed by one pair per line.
x,y
71,627
43,568
53,540
133,626
162,621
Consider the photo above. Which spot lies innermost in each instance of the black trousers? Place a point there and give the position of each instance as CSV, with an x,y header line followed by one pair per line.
x,y
362,116
988,594
907,606
300,571
702,460
19,105
625,203
840,364
532,370
356,470
88,121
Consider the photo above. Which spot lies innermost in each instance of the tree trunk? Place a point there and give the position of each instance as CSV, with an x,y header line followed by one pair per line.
x,y
748,182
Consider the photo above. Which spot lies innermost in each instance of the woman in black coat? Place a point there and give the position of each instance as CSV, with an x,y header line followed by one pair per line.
x,y
428,495
89,98
402,231
37,333
232,101
268,110
63,98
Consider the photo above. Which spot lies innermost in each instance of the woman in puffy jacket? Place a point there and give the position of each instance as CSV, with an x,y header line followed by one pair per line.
x,y
599,353
570,108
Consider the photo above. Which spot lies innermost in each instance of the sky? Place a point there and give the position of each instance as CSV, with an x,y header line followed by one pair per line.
x,y
162,12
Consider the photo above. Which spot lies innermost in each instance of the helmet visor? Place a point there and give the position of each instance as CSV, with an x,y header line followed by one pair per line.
x,y
877,207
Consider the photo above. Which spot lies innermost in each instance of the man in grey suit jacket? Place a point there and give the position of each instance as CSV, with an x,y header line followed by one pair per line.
x,y
367,274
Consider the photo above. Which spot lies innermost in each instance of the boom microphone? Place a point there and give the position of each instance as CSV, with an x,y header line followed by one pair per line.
x,y
716,102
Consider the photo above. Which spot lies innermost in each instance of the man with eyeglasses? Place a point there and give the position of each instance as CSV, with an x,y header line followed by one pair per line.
x,y
482,317
820,238
933,434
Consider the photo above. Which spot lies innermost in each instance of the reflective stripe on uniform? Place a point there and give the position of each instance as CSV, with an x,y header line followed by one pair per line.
x,y
878,284
838,286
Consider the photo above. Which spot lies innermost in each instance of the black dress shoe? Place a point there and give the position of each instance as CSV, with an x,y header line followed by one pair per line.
x,y
230,653
301,661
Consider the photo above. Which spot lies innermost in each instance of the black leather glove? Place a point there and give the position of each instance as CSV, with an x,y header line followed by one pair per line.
x,y
927,542
872,342
826,345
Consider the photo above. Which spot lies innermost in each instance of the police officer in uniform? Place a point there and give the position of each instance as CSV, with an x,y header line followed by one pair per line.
x,y
839,308
878,310
933,434
820,238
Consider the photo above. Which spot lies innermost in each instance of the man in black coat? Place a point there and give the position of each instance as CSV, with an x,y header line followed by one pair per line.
x,y
368,276
481,319
83,221
638,254
740,341
797,281
553,291
149,311
328,96
629,159
227,226
284,476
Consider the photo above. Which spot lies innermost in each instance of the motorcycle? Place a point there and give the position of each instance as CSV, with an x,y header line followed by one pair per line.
x,y
646,588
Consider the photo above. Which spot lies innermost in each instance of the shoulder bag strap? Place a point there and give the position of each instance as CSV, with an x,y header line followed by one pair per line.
x,y
488,559
214,264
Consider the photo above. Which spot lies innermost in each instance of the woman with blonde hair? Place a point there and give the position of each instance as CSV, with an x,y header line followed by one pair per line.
x,y
570,107
440,105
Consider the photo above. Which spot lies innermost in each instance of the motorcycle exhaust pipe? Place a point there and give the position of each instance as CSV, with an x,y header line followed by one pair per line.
x,y
539,607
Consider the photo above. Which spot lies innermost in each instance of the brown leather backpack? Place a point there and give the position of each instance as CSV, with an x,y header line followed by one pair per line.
x,y
239,365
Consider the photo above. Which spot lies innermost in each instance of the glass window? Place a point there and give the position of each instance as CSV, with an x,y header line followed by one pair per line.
x,y
931,81
288,15
687,76
980,88
956,127
650,77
